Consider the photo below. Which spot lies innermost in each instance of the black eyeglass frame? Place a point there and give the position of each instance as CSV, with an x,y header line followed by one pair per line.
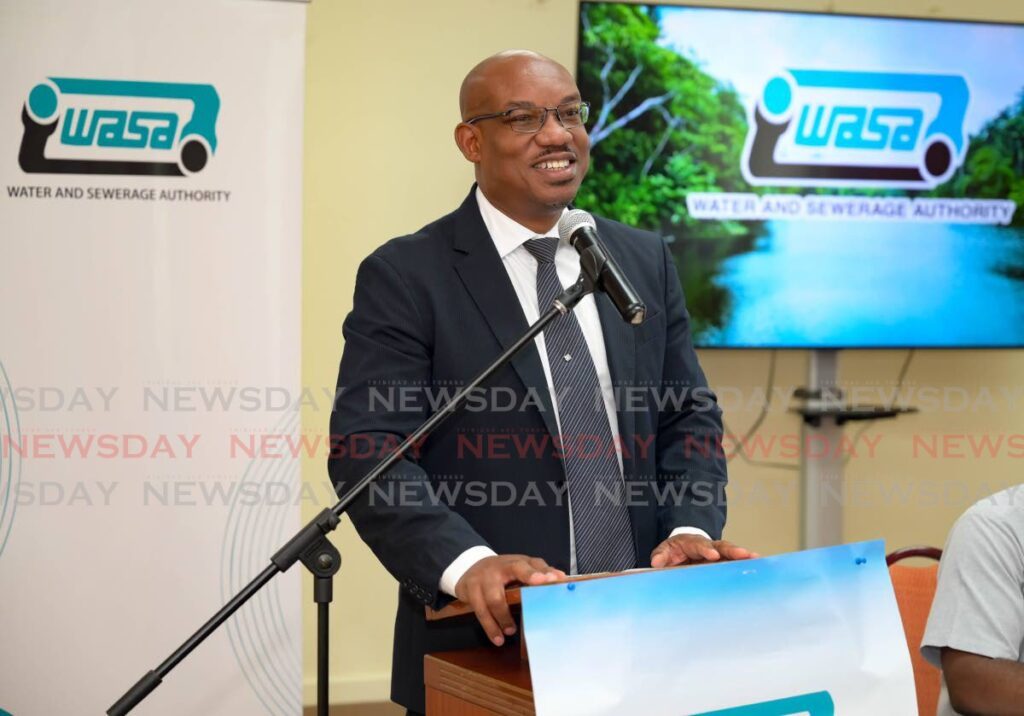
x,y
584,108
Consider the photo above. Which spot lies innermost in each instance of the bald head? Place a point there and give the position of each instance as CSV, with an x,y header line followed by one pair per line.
x,y
479,88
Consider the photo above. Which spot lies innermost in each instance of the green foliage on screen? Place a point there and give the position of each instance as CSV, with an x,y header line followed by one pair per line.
x,y
661,128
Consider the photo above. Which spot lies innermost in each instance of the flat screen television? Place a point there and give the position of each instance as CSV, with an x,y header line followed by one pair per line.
x,y
824,181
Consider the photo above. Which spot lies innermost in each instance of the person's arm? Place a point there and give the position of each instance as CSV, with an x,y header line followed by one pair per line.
x,y
976,623
385,372
980,686
382,388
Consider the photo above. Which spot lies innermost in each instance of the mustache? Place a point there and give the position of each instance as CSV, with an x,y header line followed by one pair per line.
x,y
556,150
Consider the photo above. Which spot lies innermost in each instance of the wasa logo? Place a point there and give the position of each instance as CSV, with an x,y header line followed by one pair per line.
x,y
89,126
857,129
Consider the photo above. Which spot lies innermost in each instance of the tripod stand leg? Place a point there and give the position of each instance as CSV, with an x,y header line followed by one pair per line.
x,y
322,656
323,561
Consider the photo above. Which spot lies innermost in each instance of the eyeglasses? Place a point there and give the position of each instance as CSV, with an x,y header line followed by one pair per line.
x,y
528,120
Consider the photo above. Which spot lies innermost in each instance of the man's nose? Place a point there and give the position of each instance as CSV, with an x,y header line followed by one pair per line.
x,y
552,131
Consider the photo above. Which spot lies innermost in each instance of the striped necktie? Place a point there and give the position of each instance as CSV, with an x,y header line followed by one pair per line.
x,y
600,516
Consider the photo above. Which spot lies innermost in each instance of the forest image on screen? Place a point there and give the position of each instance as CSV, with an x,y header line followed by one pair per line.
x,y
823,181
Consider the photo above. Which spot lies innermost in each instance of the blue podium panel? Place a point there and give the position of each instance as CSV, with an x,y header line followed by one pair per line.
x,y
811,633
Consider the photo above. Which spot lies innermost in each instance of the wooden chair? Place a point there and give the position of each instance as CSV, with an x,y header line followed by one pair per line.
x,y
915,590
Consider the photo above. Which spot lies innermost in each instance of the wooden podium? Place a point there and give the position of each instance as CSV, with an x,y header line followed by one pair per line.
x,y
478,682
489,680
486,681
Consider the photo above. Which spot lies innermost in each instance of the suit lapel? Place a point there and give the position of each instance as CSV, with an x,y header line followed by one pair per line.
x,y
619,345
481,271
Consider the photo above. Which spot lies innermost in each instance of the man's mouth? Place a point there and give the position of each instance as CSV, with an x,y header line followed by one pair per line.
x,y
553,164
557,169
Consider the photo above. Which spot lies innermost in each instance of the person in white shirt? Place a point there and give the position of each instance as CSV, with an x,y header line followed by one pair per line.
x,y
975,630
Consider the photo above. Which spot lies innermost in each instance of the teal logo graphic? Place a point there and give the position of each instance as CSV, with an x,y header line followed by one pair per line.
x,y
816,704
857,129
92,126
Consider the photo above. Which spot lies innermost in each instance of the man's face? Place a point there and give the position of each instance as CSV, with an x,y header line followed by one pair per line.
x,y
529,177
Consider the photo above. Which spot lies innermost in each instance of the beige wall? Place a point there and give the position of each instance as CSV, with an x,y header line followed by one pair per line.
x,y
382,81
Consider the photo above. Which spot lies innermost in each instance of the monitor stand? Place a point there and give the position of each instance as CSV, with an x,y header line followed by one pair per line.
x,y
824,412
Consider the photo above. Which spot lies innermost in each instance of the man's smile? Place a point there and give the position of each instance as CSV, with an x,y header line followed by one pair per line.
x,y
557,167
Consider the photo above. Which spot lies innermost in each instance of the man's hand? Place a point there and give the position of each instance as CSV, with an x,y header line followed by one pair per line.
x,y
694,549
483,588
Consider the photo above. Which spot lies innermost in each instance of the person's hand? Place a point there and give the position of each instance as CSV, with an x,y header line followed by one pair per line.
x,y
694,549
483,588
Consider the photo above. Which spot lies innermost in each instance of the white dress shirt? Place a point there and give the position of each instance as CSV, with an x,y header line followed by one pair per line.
x,y
509,237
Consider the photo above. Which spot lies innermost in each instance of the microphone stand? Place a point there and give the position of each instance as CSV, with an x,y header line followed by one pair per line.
x,y
311,546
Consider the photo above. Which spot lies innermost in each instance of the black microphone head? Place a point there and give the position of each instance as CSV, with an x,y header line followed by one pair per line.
x,y
573,220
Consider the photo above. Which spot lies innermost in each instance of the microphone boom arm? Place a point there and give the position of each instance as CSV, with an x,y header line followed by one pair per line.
x,y
306,541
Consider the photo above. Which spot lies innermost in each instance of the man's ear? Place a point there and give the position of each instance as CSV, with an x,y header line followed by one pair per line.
x,y
467,137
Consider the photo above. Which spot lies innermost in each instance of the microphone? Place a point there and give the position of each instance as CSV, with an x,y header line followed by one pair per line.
x,y
579,229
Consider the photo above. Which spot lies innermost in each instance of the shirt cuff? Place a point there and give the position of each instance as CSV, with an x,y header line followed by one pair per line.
x,y
451,576
690,531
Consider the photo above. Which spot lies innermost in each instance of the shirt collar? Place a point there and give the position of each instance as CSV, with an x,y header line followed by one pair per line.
x,y
507,234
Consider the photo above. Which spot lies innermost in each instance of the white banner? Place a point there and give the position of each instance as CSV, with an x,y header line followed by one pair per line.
x,y
150,257
813,633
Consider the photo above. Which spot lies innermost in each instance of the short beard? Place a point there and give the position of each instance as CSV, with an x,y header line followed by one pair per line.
x,y
560,205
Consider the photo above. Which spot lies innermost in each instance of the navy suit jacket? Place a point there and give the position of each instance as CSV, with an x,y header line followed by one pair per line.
x,y
433,309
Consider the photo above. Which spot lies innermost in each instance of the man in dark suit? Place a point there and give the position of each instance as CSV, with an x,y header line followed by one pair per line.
x,y
517,487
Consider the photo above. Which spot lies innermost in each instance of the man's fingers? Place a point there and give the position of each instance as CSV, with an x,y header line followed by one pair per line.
x,y
483,615
659,557
541,566
483,588
527,572
710,553
498,607
522,571
731,551
697,548
694,548
542,572
682,549
668,554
